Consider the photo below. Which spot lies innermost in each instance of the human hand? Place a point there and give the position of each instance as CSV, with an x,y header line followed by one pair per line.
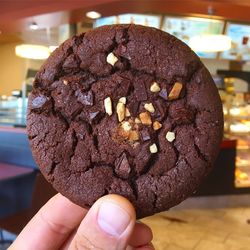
x,y
109,224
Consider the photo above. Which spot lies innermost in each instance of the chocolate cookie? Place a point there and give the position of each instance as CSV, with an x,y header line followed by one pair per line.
x,y
125,109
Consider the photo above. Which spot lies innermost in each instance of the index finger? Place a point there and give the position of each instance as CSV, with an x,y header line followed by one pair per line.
x,y
51,226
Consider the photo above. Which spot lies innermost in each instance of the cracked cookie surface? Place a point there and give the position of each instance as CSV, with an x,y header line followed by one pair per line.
x,y
125,109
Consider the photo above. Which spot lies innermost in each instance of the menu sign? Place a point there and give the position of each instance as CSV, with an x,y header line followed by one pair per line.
x,y
240,35
186,27
146,20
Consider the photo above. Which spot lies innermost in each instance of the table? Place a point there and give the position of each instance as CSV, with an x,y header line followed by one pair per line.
x,y
8,171
16,187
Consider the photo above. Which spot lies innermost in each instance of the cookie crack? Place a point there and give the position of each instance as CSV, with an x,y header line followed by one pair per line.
x,y
79,39
155,197
57,113
126,34
200,154
151,162
42,135
96,141
195,71
94,164
133,185
177,152
32,137
74,145
193,177
52,169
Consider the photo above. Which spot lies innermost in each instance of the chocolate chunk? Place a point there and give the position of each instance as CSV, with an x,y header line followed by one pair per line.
x,y
140,90
90,80
123,86
163,94
83,79
161,107
71,62
122,167
98,64
143,158
85,84
133,107
85,98
182,116
122,64
39,101
145,136
95,116
79,80
55,85
121,49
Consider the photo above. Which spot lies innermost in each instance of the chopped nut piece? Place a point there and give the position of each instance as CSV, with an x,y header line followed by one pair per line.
x,y
153,148
111,59
145,118
65,82
130,120
108,106
155,87
170,136
120,110
136,126
125,132
156,125
149,107
126,126
137,121
122,100
127,113
175,91
135,144
121,133
133,136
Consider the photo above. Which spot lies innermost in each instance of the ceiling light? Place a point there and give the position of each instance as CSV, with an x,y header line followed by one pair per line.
x,y
34,26
52,48
210,43
93,14
37,52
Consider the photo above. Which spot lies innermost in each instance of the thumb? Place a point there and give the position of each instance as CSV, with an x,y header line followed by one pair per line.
x,y
108,225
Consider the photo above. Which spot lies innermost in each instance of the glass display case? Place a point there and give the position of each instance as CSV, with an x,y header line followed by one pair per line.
x,y
238,121
13,111
236,108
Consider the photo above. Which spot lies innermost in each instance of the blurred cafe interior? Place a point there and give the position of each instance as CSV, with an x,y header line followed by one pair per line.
x,y
218,214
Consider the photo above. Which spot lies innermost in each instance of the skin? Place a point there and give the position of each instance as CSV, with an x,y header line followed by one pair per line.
x,y
60,224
